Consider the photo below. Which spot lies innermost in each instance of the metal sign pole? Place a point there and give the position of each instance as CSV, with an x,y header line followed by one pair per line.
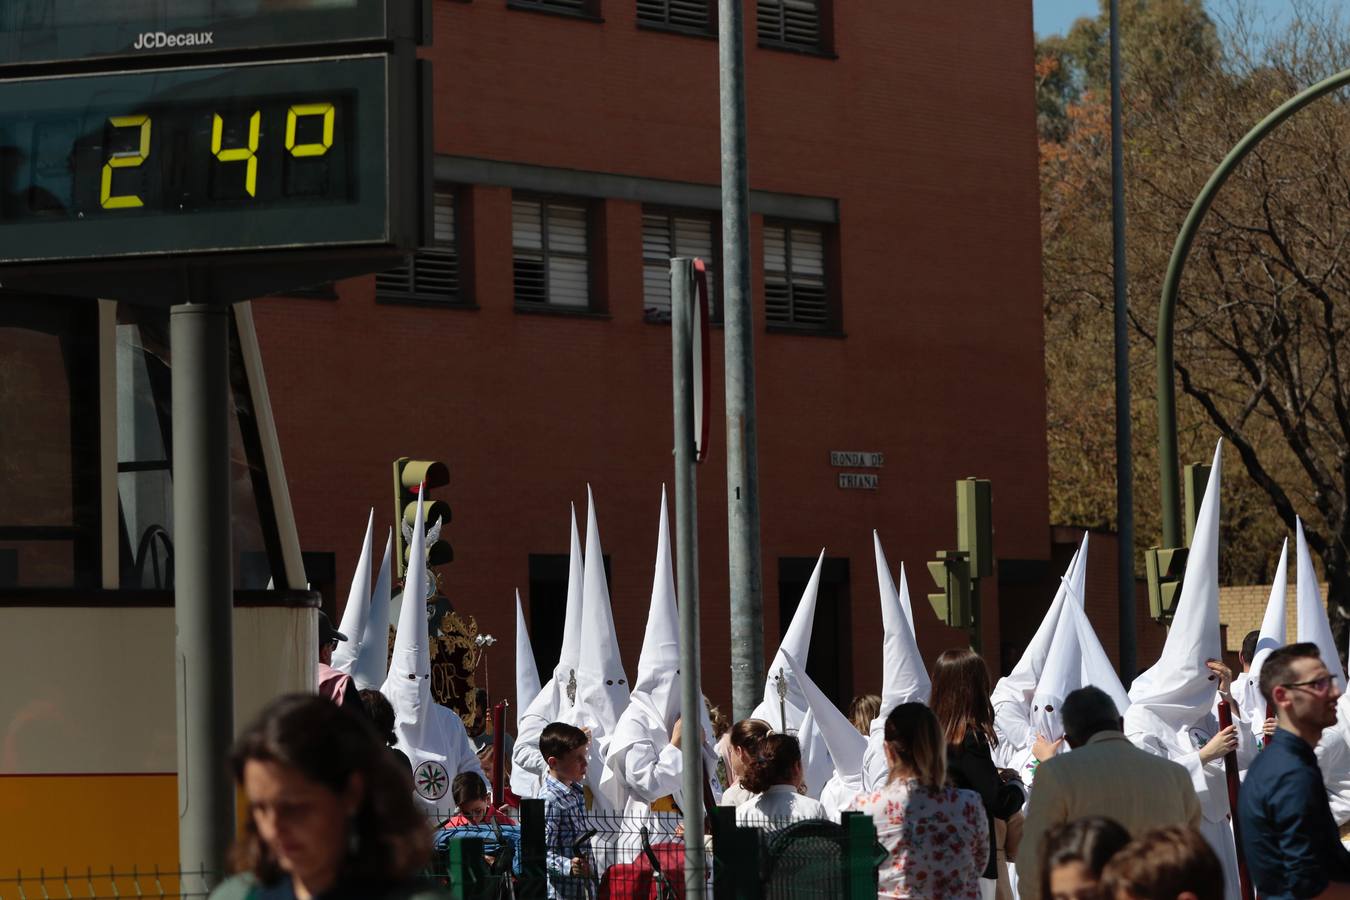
x,y
743,562
203,588
682,302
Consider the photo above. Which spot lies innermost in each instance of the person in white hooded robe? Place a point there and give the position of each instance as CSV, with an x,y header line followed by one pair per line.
x,y
430,735
1171,703
559,693
644,763
1077,659
1011,698
1333,750
903,676
602,687
1269,638
784,705
845,743
523,783
357,611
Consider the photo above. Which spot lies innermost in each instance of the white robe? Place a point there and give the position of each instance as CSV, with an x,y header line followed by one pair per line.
x,y
1182,746
1333,757
839,793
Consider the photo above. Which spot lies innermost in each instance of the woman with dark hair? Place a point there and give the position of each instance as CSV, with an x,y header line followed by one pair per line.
x,y
381,713
1075,854
960,700
934,833
742,743
775,777
330,814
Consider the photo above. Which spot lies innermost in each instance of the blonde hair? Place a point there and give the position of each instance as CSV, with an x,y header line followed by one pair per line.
x,y
916,743
863,709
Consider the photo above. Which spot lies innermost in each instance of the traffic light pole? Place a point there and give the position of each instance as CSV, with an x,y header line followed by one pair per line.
x,y
746,582
203,588
682,324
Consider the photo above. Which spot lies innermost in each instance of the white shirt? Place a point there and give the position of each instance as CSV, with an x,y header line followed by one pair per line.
x,y
737,795
779,805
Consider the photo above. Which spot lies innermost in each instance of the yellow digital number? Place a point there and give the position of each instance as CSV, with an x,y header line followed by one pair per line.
x,y
293,117
125,160
248,155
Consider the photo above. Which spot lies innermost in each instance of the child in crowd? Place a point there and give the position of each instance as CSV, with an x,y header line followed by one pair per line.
x,y
1075,854
564,748
472,804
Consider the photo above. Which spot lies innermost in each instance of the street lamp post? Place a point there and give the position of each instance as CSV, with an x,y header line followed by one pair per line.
x,y
1167,410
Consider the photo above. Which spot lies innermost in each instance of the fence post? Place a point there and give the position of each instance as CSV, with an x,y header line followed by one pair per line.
x,y
859,863
736,858
467,869
533,855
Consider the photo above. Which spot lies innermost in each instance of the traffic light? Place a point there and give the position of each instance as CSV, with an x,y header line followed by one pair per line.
x,y
958,572
951,572
974,524
1195,479
1165,567
410,475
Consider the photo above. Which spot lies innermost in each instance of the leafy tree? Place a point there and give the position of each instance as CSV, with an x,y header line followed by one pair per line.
x,y
1265,305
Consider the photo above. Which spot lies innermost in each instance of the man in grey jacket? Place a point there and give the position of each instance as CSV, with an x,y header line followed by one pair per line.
x,y
1105,775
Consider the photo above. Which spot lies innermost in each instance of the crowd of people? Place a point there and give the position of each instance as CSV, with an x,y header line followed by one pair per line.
x,y
1055,782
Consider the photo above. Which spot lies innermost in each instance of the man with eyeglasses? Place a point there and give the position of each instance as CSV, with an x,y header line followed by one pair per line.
x,y
1287,831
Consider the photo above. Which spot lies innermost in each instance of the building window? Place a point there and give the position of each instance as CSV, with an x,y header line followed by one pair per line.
x,y
433,272
794,276
666,235
680,15
551,244
585,8
793,24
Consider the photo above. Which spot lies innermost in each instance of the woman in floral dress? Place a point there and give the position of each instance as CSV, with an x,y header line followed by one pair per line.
x,y
937,836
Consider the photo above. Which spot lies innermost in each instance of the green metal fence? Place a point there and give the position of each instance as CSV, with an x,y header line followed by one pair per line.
x,y
769,861
630,859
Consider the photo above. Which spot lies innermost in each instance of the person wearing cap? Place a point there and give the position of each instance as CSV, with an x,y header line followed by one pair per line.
x,y
332,684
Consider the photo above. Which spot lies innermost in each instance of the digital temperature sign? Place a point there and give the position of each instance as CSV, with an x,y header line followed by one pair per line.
x,y
202,159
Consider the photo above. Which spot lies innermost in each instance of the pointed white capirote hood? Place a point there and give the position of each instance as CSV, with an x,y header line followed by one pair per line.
x,y
1272,635
1097,669
1019,685
558,693
658,673
573,623
1077,659
842,740
1313,626
602,686
797,641
432,736
1061,675
656,701
527,674
372,663
903,676
408,684
357,610
1179,689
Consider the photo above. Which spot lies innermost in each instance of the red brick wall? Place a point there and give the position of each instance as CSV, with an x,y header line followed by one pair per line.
x,y
923,129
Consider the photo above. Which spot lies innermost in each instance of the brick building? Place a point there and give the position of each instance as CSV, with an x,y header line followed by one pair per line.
x,y
896,308
895,266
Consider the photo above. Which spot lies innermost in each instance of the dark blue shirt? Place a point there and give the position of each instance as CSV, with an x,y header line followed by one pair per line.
x,y
1289,837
